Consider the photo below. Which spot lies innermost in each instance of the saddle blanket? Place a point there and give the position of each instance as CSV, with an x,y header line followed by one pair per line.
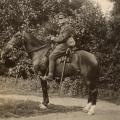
x,y
63,58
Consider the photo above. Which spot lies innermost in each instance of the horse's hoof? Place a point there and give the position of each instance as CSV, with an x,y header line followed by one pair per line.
x,y
49,105
91,112
87,108
42,106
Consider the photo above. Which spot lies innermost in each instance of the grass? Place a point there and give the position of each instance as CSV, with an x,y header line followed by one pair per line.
x,y
23,87
109,95
12,108
21,108
19,86
24,108
33,87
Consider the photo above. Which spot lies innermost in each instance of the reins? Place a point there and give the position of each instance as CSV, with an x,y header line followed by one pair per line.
x,y
37,49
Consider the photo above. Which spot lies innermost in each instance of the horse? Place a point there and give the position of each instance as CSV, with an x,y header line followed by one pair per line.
x,y
85,61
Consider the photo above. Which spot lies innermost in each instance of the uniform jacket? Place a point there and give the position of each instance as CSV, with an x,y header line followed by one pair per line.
x,y
65,32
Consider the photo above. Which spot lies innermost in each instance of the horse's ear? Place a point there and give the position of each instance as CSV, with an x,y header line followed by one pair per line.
x,y
27,35
17,34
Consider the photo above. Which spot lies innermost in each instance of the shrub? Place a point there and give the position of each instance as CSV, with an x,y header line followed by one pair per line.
x,y
40,16
76,87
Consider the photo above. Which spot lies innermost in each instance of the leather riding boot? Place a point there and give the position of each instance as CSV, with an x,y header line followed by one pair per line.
x,y
51,70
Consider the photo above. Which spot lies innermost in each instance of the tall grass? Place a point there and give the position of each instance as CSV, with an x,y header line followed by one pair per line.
x,y
19,86
18,108
9,85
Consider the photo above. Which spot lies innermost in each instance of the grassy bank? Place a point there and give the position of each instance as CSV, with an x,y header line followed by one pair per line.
x,y
19,86
33,87
17,108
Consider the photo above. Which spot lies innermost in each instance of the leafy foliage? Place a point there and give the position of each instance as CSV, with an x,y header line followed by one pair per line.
x,y
92,33
76,87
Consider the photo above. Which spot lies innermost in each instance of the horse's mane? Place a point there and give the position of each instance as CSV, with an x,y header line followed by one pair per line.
x,y
33,43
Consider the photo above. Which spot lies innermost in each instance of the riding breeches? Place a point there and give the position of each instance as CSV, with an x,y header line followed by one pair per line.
x,y
59,51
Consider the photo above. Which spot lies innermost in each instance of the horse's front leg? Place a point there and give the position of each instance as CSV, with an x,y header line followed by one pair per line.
x,y
45,94
44,86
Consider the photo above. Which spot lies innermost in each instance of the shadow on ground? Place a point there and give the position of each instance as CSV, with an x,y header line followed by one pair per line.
x,y
27,108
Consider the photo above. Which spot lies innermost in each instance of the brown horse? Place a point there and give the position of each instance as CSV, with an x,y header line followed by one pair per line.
x,y
84,61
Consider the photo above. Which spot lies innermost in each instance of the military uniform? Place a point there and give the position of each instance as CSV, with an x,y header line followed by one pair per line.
x,y
65,33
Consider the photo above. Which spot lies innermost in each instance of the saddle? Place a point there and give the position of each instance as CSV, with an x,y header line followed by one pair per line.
x,y
67,57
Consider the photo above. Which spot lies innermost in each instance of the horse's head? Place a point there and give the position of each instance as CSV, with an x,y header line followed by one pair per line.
x,y
15,43
22,39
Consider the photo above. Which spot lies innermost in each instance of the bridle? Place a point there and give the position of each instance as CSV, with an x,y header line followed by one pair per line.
x,y
47,44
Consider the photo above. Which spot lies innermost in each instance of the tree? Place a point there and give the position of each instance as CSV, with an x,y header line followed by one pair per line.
x,y
41,16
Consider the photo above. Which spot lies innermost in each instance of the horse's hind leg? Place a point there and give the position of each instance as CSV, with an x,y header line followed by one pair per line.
x,y
92,98
92,91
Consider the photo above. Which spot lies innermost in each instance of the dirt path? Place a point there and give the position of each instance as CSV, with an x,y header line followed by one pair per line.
x,y
104,110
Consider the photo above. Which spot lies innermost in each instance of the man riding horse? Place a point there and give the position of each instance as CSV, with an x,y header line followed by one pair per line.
x,y
81,60
64,40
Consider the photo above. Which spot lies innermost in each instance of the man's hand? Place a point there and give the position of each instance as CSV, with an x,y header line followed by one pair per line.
x,y
53,38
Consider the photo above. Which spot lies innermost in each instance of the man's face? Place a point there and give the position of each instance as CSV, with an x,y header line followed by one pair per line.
x,y
62,20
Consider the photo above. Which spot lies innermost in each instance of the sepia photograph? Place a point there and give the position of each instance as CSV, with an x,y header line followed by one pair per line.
x,y
59,59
